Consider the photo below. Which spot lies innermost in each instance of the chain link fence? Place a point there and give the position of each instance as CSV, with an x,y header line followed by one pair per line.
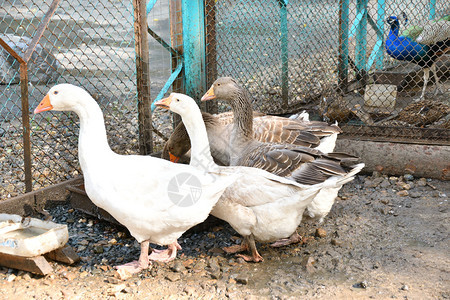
x,y
90,44
330,58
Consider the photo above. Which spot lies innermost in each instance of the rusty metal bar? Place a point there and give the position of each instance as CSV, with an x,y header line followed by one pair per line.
x,y
40,30
176,40
143,77
11,51
26,128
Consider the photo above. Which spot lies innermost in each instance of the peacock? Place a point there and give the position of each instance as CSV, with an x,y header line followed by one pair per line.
x,y
420,45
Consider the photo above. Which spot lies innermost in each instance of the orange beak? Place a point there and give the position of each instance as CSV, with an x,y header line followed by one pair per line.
x,y
209,95
173,158
44,105
164,103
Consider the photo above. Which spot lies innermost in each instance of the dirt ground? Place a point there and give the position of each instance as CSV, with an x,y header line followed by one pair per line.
x,y
386,237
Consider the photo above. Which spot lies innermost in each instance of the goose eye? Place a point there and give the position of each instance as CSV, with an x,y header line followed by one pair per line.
x,y
218,84
55,92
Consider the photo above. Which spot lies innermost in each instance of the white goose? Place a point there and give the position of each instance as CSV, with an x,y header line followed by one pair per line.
x,y
139,191
259,205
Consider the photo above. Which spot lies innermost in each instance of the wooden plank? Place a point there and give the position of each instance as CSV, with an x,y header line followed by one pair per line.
x,y
66,255
26,204
38,264
143,77
176,41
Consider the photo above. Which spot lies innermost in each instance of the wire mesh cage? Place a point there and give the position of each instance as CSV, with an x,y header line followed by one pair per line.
x,y
332,58
88,44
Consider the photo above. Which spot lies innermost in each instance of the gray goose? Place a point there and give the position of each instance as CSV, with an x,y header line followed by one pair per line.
x,y
302,164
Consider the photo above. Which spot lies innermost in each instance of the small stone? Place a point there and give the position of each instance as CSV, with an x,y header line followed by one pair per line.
x,y
241,278
385,183
188,263
376,174
26,276
173,277
405,287
335,242
113,280
83,242
415,194
189,290
422,182
115,290
403,193
240,260
379,168
404,186
98,249
178,267
384,201
84,274
216,250
10,277
112,241
435,194
308,263
321,233
361,285
128,290
69,276
104,268
408,177
211,235
70,221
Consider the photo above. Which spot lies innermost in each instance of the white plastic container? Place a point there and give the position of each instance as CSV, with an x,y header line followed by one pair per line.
x,y
32,237
380,95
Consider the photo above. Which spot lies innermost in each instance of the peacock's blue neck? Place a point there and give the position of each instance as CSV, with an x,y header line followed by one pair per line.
x,y
404,48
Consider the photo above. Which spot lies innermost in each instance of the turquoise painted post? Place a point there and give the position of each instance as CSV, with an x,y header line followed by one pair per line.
x,y
381,16
194,47
432,9
361,33
343,44
284,53
150,5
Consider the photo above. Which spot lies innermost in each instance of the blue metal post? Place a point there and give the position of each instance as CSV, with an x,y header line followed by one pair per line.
x,y
284,53
361,33
194,47
343,44
432,9
150,5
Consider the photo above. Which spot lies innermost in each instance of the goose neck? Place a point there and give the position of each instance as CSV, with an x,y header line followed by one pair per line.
x,y
200,150
243,115
92,141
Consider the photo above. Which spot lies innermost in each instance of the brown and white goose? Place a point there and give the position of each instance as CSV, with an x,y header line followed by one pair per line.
x,y
259,205
302,164
271,129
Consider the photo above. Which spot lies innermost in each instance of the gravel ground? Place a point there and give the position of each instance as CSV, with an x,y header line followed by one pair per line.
x,y
380,235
